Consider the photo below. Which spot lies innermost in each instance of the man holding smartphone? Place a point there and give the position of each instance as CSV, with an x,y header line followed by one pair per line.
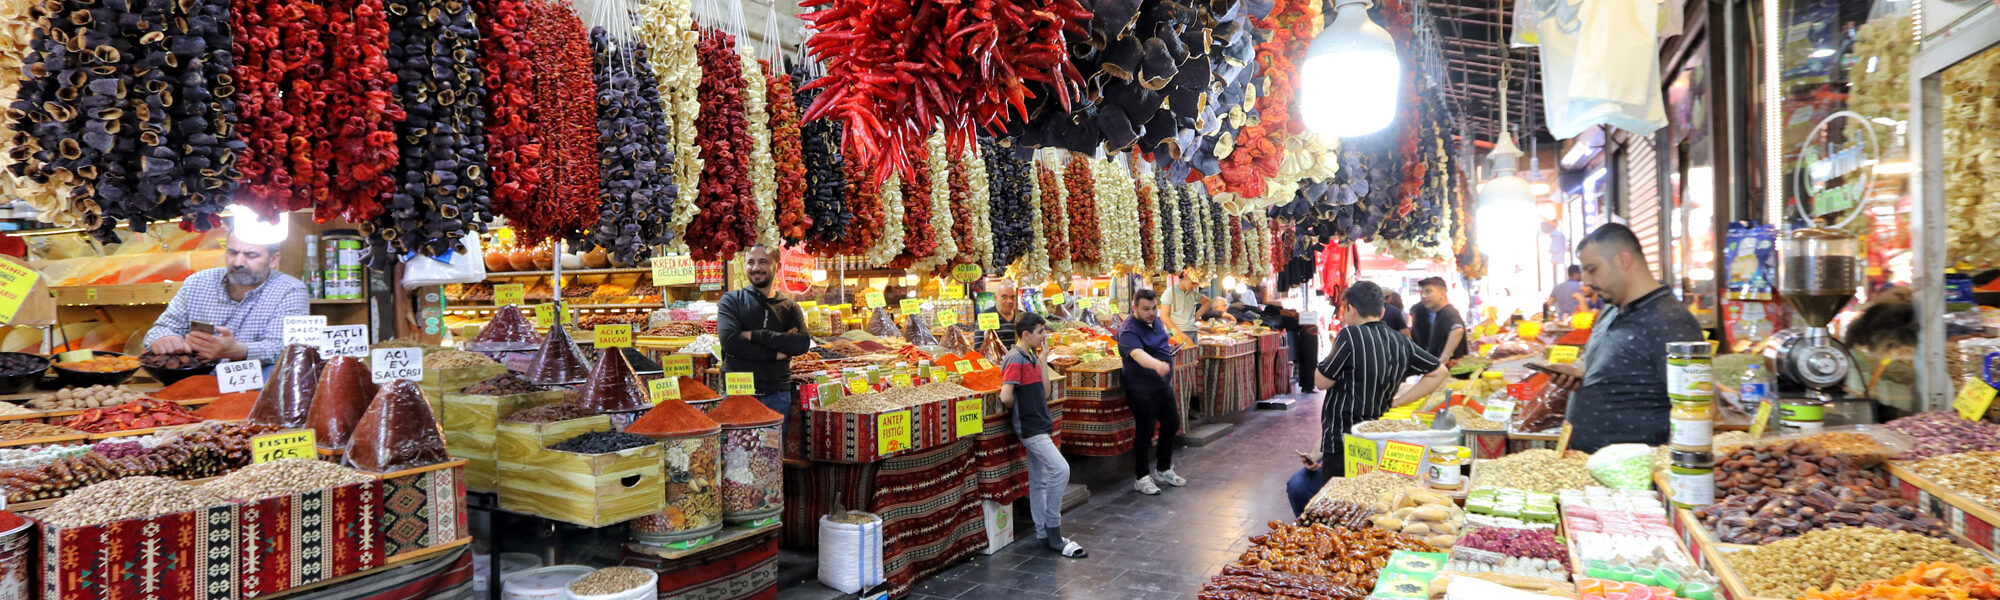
x,y
1369,361
234,312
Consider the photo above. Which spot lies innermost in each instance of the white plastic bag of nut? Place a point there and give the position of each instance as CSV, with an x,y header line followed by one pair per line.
x,y
615,583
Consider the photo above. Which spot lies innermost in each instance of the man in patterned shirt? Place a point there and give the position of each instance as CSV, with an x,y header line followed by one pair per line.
x,y
246,301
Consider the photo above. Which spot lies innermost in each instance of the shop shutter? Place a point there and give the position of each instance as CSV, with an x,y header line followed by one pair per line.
x,y
1640,169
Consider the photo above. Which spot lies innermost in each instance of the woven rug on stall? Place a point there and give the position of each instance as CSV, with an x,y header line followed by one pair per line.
x,y
931,519
447,577
1003,463
1188,379
812,491
1097,427
745,569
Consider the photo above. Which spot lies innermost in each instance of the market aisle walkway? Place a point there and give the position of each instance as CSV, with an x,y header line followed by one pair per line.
x,y
1154,547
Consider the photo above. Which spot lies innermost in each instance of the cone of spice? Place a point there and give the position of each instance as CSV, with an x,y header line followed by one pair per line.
x,y
613,387
693,469
559,362
288,401
744,411
344,393
398,432
508,331
674,419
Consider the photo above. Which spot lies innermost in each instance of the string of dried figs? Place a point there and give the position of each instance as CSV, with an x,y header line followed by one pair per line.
x,y
1080,193
635,175
362,111
788,150
513,152
1011,186
565,108
727,218
761,167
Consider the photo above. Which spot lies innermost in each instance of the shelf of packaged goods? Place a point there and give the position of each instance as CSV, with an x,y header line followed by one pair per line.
x,y
491,275
640,306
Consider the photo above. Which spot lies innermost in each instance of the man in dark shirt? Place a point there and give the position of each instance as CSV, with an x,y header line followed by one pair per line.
x,y
1007,301
1148,373
1437,327
1620,390
761,330
1023,391
1369,361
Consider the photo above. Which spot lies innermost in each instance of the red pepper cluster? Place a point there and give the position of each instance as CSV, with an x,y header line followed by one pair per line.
x,y
1146,232
143,413
565,109
1260,148
362,111
513,153
1052,205
1235,241
280,102
1085,241
959,197
787,148
728,218
895,67
919,237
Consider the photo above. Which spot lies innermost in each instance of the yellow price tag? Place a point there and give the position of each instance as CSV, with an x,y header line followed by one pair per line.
x,y
873,300
1583,320
903,380
509,293
910,306
892,432
16,282
1486,349
664,389
857,385
1762,420
90,293
674,269
947,318
1563,355
1562,442
545,315
970,414
1402,458
951,292
1973,400
1059,298
285,444
989,321
808,305
1357,455
962,367
1528,330
504,235
740,384
985,364
680,365
612,336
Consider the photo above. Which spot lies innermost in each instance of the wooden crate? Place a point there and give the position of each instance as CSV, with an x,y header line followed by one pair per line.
x,y
471,422
438,382
1978,523
592,490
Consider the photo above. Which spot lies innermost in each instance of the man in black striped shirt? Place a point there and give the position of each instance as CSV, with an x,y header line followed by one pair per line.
x,y
1369,361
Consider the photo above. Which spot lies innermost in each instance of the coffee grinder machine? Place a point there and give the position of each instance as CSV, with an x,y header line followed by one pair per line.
x,y
1818,274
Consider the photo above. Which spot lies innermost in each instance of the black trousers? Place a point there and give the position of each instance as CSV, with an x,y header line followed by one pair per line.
x,y
1151,410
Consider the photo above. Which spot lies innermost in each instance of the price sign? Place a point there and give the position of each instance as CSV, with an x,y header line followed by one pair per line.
x,y
1483,331
1563,355
1973,399
1402,458
857,385
1583,320
989,321
612,336
1562,441
239,376
808,305
970,414
1059,298
1499,410
1528,329
1357,455
90,293
1086,302
509,293
873,300
679,365
740,384
504,236
664,389
390,364
951,292
1487,349
544,317
911,306
903,380
673,269
344,340
962,367
966,273
285,444
947,318
985,364
1762,420
16,282
308,330
892,432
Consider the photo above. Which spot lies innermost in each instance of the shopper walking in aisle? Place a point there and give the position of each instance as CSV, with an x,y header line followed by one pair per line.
x,y
1568,295
1022,391
1183,304
1392,313
1007,300
1369,361
1620,387
761,330
1145,348
1435,323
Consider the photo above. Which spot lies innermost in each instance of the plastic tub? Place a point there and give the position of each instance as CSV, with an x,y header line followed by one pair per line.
x,y
510,563
546,583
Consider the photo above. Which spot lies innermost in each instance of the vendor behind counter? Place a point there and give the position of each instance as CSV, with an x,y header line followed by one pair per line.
x,y
245,302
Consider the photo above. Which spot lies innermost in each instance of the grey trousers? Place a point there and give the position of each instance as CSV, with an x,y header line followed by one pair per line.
x,y
1048,475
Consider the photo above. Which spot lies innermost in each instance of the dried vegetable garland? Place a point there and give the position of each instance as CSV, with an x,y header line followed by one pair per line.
x,y
763,169
1055,216
278,75
894,221
1260,147
976,243
727,220
826,176
442,189
896,67
788,152
1118,201
565,124
667,28
1012,202
513,152
1033,266
1149,234
871,220
636,161
362,111
1218,237
919,237
1080,198
940,224
1168,199
17,30
1193,223
1971,173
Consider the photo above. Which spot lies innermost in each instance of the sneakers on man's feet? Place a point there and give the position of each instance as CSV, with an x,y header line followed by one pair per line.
x,y
1169,477
1146,486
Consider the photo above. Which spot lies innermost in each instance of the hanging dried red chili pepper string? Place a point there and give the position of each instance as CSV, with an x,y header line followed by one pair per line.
x,y
728,218
362,112
513,153
788,150
565,108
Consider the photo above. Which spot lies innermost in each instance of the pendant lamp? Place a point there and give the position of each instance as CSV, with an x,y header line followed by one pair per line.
x,y
1506,216
1349,80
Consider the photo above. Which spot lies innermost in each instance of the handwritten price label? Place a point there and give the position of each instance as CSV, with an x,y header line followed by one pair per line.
x,y
612,336
675,269
1059,298
1357,454
857,385
947,318
545,316
874,300
390,364
970,414
282,445
989,321
966,273
962,367
911,306
892,432
1762,420
985,364
951,292
344,340
239,376
509,293
16,282
1974,399
1563,355
1402,458
309,330
678,366
903,380
740,384
664,389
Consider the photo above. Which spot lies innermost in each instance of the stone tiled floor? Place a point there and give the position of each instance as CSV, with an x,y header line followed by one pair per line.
x,y
1140,546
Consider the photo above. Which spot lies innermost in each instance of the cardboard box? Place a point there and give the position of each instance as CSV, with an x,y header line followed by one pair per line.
x,y
999,525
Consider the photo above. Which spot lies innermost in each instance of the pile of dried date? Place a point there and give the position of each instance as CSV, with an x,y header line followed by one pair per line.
x,y
1750,469
1780,513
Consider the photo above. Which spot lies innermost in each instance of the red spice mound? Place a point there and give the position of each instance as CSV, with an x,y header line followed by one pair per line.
x,y
192,388
744,411
230,407
673,418
692,390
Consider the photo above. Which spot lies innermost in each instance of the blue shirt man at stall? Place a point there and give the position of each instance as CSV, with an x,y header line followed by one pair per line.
x,y
1146,350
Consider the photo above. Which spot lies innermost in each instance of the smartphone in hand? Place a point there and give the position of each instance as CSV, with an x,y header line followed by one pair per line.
x,y
200,327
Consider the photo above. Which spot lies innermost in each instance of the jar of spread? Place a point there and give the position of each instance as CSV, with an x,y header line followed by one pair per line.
x,y
1691,426
1692,478
1445,463
1690,375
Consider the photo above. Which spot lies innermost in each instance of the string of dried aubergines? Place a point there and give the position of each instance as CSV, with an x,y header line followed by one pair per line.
x,y
788,151
565,109
1168,199
513,150
826,177
362,112
17,31
728,217
1011,199
635,211
442,192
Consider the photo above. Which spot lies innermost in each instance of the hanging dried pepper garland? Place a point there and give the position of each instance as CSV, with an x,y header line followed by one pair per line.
x,y
864,197
895,67
1149,235
788,150
565,125
278,74
958,200
826,175
728,219
919,237
441,190
1055,213
362,112
1012,202
636,175
513,152
1260,148
941,223
1080,192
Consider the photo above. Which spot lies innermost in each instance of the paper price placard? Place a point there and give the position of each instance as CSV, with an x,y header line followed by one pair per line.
x,y
966,273
390,364
985,364
892,432
677,366
910,306
1762,420
1562,442
740,384
664,389
344,340
673,269
1357,454
1059,298
16,282
1527,330
509,293
962,367
545,316
285,444
874,300
989,321
970,416
309,330
239,376
1401,458
76,356
1973,399
903,380
857,385
1563,355
947,318
612,336
951,292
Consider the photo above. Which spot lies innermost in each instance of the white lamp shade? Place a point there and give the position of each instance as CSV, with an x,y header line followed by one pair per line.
x,y
1351,76
246,225
1506,217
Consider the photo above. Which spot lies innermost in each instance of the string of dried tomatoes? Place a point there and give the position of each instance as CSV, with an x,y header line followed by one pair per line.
x,y
1149,239
1260,148
919,237
513,154
788,151
728,217
1055,229
278,74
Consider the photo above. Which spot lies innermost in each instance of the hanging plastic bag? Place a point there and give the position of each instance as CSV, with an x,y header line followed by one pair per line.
x,y
466,265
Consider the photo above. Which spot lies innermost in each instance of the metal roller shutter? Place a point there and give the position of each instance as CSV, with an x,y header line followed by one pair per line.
x,y
1639,166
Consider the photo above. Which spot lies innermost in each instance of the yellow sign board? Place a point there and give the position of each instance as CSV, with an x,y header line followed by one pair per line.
x,y
1563,355
951,292
676,269
903,380
1059,298
892,432
612,336
16,282
962,367
1973,399
910,306
1357,455
664,389
966,273
740,384
873,300
1402,458
284,444
680,365
970,414
947,318
857,385
1562,442
546,315
509,293
989,321
985,364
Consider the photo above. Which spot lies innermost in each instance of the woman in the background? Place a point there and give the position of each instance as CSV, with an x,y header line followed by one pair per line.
x,y
1881,342
1392,313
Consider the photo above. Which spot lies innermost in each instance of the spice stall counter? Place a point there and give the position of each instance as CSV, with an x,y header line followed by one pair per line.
x,y
929,502
1096,419
740,564
1229,380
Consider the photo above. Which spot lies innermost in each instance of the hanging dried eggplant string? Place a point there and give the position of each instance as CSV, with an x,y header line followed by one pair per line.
x,y
442,193
941,226
362,111
513,151
727,220
1218,236
826,177
565,105
1149,234
760,166
976,238
1033,267
1189,229
1260,148
636,183
667,28
1011,199
55,144
1080,198
189,138
18,20
1168,198
862,195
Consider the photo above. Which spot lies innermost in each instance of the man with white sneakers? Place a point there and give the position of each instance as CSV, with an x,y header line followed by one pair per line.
x,y
1146,348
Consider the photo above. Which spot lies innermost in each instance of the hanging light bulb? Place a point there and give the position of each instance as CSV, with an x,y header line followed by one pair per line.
x,y
1349,81
1506,215
245,225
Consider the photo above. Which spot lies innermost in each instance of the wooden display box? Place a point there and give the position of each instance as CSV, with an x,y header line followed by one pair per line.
x,y
302,539
116,294
470,426
1978,523
439,382
592,490
1094,380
